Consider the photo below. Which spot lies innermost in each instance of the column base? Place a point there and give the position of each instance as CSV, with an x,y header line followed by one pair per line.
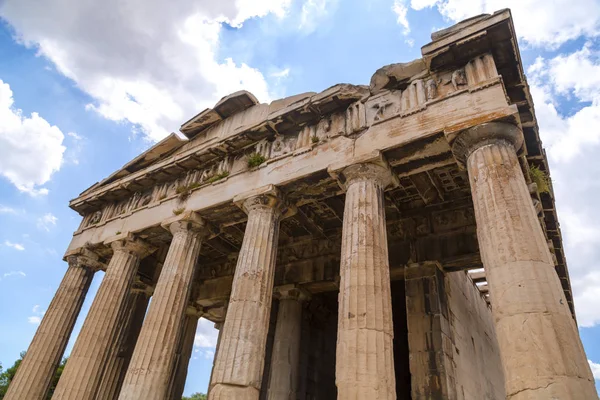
x,y
223,391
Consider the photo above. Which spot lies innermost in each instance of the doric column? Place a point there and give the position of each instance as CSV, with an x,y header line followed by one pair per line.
x,y
285,360
122,350
364,360
184,353
153,360
83,373
540,348
34,376
239,364
219,327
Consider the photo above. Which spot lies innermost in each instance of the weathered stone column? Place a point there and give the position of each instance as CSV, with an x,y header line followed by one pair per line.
x,y
285,360
239,364
540,348
34,376
153,360
83,373
120,356
429,330
364,360
184,353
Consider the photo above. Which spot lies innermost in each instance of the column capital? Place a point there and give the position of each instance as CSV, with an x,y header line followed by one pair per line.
x,y
264,197
83,257
372,166
189,221
130,243
291,292
382,175
194,310
473,138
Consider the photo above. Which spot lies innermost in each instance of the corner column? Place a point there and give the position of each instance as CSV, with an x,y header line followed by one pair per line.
x,y
34,376
120,356
83,373
540,348
153,360
239,363
285,360
365,364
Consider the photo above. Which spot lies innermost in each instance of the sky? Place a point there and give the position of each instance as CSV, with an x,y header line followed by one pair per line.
x,y
85,86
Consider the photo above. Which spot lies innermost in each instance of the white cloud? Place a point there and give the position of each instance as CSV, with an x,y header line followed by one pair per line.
x,y
400,9
14,273
151,63
34,319
283,73
538,22
47,222
31,149
595,369
314,12
7,210
206,334
575,75
16,246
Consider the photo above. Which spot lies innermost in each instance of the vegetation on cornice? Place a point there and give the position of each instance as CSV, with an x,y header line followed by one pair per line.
x,y
218,177
540,178
255,160
178,211
314,139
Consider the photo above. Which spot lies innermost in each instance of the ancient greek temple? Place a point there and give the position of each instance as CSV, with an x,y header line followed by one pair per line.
x,y
372,242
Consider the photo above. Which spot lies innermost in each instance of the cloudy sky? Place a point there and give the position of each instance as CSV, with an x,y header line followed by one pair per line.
x,y
85,86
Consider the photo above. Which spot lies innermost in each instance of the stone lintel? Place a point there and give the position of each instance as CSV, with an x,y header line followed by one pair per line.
x,y
131,243
269,196
343,171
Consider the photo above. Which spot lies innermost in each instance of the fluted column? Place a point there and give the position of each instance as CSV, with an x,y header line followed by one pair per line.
x,y
364,360
153,360
83,373
34,376
239,364
540,348
285,360
120,355
184,353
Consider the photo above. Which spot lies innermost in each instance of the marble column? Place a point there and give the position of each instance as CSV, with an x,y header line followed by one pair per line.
x,y
82,375
129,330
285,360
219,327
153,360
184,353
239,364
364,359
540,348
34,376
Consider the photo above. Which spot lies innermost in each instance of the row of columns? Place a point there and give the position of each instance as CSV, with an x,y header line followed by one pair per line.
x,y
539,344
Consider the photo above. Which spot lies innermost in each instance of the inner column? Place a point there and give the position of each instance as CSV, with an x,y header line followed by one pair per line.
x,y
365,362
238,369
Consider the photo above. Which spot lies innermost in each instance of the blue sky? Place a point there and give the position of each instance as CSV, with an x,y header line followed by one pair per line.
x,y
86,87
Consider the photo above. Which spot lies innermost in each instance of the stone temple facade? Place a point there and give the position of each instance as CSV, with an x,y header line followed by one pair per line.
x,y
365,242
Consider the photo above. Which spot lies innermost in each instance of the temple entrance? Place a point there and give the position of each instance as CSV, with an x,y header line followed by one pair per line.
x,y
401,364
